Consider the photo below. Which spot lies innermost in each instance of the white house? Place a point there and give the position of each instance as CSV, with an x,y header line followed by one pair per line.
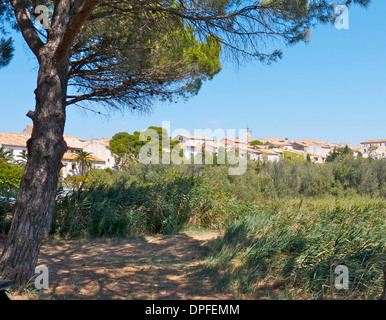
x,y
15,142
71,168
191,148
194,145
375,149
101,157
318,149
263,154
100,149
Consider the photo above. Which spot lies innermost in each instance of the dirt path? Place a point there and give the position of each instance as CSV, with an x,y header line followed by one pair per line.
x,y
161,267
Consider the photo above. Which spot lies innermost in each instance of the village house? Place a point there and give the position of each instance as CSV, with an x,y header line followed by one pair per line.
x,y
71,168
233,143
317,158
101,157
236,143
191,149
15,142
192,139
194,145
321,150
374,148
375,144
263,154
316,150
100,148
276,142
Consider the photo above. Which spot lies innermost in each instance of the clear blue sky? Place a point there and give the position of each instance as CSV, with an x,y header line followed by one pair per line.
x,y
333,88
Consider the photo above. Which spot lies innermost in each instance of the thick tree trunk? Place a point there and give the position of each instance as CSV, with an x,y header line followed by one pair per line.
x,y
34,207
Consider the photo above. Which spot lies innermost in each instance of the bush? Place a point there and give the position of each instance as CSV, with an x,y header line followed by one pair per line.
x,y
285,179
10,176
167,198
297,250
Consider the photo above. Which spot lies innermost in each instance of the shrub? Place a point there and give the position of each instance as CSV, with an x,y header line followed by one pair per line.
x,y
10,176
297,250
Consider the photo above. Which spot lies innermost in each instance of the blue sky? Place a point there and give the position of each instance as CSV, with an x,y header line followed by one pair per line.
x,y
333,88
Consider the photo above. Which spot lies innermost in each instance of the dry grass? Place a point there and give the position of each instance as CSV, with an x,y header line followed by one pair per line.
x,y
151,267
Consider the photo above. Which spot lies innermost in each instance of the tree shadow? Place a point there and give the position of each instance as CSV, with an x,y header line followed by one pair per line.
x,y
160,267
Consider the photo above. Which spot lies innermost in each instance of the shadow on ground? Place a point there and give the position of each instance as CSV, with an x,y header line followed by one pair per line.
x,y
159,267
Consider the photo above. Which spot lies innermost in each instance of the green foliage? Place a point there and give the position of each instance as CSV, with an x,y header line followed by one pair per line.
x,y
10,176
146,56
6,51
6,44
126,203
6,155
74,183
123,145
256,143
292,157
295,249
119,208
286,179
167,198
339,154
83,159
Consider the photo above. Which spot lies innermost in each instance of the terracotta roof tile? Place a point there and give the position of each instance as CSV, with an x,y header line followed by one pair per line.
x,y
13,139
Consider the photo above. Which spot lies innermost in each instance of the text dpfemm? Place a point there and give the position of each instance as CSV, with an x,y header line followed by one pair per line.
x,y
193,309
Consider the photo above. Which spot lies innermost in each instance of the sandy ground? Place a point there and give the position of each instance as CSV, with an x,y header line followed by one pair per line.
x,y
159,267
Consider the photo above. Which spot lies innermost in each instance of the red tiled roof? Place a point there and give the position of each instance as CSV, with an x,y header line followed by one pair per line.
x,y
13,139
374,141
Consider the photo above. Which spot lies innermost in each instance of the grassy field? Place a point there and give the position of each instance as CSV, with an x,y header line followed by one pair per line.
x,y
290,250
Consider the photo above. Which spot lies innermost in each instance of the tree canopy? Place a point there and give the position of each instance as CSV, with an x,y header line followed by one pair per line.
x,y
124,145
6,43
339,153
131,53
127,61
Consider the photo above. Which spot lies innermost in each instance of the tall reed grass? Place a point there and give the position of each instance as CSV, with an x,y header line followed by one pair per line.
x,y
291,251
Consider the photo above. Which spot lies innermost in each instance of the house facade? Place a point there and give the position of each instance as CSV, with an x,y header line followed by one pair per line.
x,y
101,157
15,142
375,149
100,148
263,155
379,144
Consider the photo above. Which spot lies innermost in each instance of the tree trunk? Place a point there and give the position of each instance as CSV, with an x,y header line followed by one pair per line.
x,y
35,203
